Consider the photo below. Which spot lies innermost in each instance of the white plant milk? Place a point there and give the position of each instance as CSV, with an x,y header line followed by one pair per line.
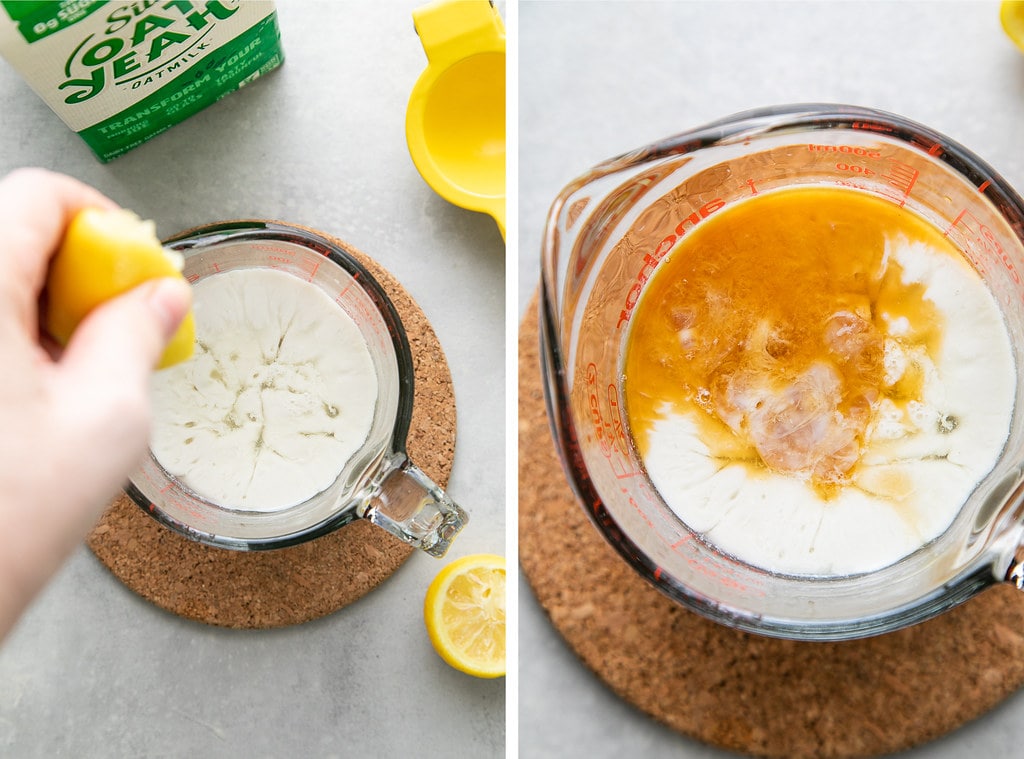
x,y
818,382
278,396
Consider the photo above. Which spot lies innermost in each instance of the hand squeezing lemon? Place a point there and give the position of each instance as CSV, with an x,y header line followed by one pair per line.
x,y
104,254
465,614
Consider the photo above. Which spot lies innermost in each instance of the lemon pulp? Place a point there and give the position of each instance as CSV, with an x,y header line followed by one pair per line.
x,y
464,613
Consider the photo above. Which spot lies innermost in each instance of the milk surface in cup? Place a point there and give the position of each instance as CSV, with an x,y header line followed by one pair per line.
x,y
119,73
816,379
278,396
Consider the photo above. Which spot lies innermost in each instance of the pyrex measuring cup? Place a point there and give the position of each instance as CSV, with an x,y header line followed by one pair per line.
x,y
605,235
378,482
455,121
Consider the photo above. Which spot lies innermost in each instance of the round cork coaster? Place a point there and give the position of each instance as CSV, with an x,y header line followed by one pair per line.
x,y
742,692
287,586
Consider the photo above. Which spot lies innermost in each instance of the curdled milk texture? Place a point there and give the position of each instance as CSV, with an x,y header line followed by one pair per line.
x,y
825,426
279,394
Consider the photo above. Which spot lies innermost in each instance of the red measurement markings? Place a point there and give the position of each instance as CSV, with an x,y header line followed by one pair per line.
x,y
682,542
605,409
190,508
601,428
618,428
192,278
651,260
855,168
340,299
608,431
361,310
753,188
724,575
275,255
282,259
363,313
638,509
307,267
216,267
901,176
279,262
870,127
980,244
852,150
612,210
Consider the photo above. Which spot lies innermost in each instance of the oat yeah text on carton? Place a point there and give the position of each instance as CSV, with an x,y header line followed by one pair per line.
x,y
119,73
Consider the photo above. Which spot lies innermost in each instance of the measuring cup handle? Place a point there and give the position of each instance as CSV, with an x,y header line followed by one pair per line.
x,y
414,509
1015,571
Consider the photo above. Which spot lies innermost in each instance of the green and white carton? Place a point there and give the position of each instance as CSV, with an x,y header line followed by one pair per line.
x,y
119,73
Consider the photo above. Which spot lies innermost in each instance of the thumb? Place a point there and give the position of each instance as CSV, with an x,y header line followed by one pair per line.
x,y
103,378
120,342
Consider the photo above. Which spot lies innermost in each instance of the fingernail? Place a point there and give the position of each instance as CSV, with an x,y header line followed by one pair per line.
x,y
169,298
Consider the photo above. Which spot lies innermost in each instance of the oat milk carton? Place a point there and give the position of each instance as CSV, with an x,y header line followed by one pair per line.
x,y
119,73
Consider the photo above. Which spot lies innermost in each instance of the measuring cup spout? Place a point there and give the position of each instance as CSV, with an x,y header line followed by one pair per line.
x,y
410,506
1006,518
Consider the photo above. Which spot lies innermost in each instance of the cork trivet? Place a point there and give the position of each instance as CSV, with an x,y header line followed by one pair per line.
x,y
287,586
743,692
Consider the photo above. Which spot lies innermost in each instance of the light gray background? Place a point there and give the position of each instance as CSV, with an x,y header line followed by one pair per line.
x,y
597,79
95,671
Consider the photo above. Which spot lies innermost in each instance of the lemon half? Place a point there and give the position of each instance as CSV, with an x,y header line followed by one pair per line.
x,y
465,614
1011,15
104,254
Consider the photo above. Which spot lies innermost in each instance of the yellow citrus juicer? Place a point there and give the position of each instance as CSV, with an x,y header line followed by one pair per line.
x,y
455,122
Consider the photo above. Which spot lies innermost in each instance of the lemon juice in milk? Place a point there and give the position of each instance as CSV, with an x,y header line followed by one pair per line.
x,y
816,380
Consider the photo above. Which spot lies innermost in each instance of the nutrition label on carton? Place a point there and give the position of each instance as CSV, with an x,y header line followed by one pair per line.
x,y
119,73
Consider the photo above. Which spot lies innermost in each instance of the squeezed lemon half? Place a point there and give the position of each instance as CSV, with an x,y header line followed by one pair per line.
x,y
106,253
465,614
1011,15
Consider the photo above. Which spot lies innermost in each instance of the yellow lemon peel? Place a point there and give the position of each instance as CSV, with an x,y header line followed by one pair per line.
x,y
104,254
1011,16
464,613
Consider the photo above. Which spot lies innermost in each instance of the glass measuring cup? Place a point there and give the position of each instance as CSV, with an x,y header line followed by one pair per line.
x,y
605,235
378,482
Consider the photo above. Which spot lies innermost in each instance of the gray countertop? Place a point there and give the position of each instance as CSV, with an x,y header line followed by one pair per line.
x,y
600,79
93,670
